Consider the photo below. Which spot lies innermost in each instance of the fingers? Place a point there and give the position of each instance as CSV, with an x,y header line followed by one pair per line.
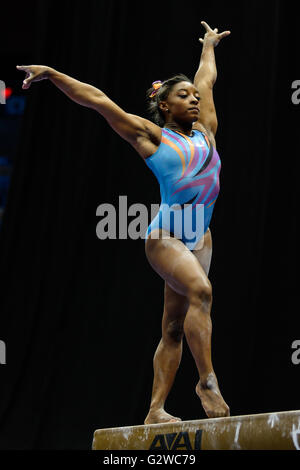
x,y
208,28
224,34
28,78
217,37
27,81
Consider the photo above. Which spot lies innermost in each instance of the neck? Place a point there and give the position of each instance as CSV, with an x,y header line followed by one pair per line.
x,y
183,128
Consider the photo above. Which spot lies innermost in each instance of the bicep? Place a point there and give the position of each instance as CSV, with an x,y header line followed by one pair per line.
x,y
208,115
128,126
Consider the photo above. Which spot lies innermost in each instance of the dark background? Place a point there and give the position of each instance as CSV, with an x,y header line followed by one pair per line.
x,y
81,316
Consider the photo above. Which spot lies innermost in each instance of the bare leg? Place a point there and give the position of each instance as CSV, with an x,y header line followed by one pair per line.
x,y
198,329
168,355
184,274
198,325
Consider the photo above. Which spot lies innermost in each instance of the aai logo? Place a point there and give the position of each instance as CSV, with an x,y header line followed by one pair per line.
x,y
177,441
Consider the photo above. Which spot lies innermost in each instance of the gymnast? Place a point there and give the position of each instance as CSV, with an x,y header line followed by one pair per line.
x,y
180,148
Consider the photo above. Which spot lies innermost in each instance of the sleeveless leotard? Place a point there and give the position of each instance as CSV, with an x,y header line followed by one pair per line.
x,y
187,169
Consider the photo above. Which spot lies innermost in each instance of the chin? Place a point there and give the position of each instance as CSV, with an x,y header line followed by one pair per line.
x,y
188,119
192,118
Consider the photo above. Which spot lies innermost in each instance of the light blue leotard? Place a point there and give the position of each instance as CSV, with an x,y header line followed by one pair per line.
x,y
187,169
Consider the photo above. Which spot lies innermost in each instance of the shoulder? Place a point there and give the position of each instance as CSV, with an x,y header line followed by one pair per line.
x,y
152,131
149,139
199,127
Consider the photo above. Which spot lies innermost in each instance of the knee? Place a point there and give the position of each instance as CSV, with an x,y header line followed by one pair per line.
x,y
173,331
200,294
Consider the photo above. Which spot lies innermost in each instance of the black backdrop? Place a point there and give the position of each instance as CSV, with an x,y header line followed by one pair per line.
x,y
81,316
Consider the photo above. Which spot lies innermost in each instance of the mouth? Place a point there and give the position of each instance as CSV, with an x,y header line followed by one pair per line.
x,y
194,109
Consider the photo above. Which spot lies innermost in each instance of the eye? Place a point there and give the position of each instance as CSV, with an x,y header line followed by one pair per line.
x,y
182,96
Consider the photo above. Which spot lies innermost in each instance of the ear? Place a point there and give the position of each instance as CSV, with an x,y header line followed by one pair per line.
x,y
163,106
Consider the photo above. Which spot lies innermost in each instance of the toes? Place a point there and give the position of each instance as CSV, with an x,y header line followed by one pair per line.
x,y
155,419
217,413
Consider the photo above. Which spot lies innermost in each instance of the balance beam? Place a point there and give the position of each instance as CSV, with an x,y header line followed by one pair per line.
x,y
266,431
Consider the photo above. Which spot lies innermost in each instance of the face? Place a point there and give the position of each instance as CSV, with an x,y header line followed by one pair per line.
x,y
182,103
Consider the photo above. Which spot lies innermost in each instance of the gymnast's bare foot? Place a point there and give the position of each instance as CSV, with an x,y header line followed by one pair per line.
x,y
160,416
211,398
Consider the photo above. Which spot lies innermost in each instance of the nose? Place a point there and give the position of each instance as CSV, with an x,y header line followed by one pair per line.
x,y
193,100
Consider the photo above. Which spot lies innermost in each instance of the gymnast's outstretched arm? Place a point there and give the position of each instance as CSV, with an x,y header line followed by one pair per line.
x,y
206,76
129,126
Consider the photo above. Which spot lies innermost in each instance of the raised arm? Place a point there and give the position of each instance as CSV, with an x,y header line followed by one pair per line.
x,y
128,126
206,76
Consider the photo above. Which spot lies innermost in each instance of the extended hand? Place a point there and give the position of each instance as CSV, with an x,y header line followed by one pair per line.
x,y
211,36
34,73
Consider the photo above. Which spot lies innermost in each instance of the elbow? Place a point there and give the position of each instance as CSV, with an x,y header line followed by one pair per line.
x,y
95,99
211,81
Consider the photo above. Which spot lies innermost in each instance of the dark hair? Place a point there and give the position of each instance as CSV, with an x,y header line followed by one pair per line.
x,y
162,94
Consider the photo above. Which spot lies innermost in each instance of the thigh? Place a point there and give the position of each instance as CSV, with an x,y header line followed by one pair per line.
x,y
204,253
175,263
